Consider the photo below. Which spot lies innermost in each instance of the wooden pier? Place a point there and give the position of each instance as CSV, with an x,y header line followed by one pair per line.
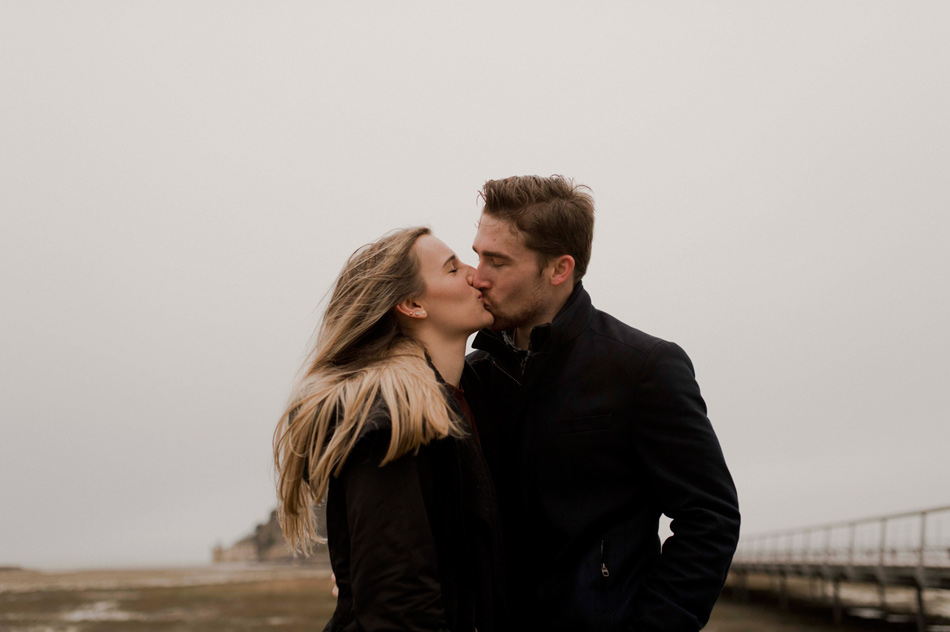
x,y
909,549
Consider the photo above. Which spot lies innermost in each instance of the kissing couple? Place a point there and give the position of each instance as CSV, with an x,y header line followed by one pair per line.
x,y
517,488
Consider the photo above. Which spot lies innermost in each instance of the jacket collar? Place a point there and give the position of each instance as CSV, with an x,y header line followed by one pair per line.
x,y
573,319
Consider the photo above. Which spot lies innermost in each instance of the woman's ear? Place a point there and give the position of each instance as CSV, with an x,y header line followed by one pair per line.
x,y
411,308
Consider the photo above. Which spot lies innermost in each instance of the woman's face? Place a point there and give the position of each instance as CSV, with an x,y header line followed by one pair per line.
x,y
451,304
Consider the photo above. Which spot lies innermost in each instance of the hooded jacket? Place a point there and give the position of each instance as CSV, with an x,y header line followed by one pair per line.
x,y
594,433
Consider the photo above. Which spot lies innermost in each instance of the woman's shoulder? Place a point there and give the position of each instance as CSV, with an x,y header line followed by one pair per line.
x,y
374,439
378,426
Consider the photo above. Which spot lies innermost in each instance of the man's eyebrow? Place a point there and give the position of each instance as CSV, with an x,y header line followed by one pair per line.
x,y
493,254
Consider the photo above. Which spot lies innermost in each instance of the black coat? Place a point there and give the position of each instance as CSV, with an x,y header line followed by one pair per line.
x,y
602,431
415,544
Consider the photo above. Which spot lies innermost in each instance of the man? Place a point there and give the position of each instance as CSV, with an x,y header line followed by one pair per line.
x,y
596,429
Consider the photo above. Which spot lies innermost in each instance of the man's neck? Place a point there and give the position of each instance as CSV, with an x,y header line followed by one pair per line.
x,y
522,337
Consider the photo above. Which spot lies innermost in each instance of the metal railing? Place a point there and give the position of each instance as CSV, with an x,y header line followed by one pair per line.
x,y
918,539
909,549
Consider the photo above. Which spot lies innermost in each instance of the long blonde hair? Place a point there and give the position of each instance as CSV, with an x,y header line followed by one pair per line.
x,y
359,356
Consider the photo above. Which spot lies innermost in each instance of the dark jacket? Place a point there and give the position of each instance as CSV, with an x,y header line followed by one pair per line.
x,y
415,544
594,434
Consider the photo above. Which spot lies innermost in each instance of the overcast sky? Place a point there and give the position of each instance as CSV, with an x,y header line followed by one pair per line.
x,y
180,182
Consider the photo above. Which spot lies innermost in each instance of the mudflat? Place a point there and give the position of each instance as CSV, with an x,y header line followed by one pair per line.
x,y
213,598
250,598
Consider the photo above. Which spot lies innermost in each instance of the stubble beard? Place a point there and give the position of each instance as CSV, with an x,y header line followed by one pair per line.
x,y
524,316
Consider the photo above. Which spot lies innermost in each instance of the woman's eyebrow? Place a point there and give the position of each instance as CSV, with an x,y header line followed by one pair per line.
x,y
449,260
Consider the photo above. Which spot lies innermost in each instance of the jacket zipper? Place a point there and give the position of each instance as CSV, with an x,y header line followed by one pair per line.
x,y
603,561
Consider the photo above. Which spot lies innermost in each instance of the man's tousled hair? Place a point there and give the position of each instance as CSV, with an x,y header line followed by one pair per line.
x,y
555,215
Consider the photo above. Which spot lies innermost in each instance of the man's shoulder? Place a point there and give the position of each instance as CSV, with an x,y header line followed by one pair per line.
x,y
619,342
612,330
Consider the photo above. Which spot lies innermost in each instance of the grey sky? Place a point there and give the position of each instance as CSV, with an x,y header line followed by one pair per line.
x,y
181,181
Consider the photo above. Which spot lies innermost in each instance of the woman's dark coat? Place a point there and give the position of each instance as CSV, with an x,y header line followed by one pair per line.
x,y
415,544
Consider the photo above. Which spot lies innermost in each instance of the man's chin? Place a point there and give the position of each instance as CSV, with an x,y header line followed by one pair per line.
x,y
501,324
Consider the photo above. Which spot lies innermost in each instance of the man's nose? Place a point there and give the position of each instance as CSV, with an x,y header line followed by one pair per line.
x,y
478,280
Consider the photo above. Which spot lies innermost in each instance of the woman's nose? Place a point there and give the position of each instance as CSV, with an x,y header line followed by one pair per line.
x,y
470,275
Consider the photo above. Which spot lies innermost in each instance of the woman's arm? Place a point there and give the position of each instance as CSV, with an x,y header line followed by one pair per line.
x,y
394,573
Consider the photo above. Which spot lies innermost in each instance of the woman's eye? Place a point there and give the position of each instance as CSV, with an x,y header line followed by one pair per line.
x,y
453,270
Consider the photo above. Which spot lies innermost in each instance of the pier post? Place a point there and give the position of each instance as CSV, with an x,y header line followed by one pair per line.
x,y
881,577
851,541
921,569
742,586
783,592
837,601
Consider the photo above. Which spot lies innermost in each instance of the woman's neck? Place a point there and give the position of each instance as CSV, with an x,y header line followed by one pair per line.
x,y
448,356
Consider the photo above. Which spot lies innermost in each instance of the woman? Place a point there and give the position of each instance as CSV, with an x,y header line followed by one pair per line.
x,y
378,424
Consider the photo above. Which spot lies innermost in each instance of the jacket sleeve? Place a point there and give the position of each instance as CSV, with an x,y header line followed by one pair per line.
x,y
691,485
394,572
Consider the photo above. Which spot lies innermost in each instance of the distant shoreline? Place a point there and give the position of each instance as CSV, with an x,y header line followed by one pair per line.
x,y
143,578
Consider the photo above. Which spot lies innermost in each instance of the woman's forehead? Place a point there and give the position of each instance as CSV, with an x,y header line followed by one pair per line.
x,y
433,251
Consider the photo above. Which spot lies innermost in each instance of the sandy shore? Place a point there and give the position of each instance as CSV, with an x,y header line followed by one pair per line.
x,y
115,579
210,598
256,598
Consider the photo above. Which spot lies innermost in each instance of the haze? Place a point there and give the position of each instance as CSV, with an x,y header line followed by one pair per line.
x,y
180,182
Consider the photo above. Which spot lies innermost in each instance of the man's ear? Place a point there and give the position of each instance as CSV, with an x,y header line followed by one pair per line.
x,y
411,308
561,269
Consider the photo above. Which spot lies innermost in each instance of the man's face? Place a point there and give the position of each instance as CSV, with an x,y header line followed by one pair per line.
x,y
513,288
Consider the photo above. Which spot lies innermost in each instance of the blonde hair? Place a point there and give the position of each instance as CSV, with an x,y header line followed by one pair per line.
x,y
359,357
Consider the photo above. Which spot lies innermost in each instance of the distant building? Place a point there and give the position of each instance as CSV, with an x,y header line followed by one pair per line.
x,y
244,550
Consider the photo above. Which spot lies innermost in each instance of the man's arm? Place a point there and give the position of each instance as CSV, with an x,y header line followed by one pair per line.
x,y
682,457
